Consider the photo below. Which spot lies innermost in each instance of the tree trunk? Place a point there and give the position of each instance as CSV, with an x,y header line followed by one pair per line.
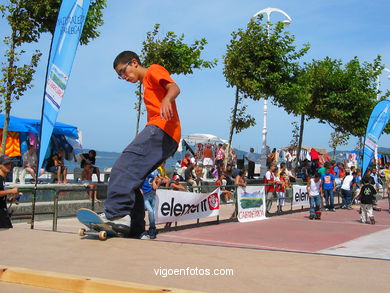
x,y
8,95
139,107
300,139
232,126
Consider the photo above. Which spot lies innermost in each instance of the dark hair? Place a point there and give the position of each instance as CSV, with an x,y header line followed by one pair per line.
x,y
317,175
126,56
93,152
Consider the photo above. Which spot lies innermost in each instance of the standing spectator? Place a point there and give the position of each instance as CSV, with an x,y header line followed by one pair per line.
x,y
5,168
148,190
322,169
281,184
358,181
328,187
220,156
91,158
290,157
346,190
271,157
374,175
313,188
208,156
232,158
250,157
367,199
315,158
388,189
270,181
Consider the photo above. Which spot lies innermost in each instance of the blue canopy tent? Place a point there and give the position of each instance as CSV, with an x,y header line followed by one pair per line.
x,y
33,125
62,133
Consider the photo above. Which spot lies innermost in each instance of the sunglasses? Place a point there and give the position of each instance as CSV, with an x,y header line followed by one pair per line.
x,y
122,71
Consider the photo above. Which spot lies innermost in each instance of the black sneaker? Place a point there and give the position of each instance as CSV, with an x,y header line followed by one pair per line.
x,y
152,233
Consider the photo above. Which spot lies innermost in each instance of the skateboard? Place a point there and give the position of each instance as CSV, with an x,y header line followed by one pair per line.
x,y
318,215
95,224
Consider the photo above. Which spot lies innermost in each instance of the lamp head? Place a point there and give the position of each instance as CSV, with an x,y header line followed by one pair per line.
x,y
286,22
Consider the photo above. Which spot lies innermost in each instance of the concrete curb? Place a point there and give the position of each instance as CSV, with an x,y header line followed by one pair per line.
x,y
75,283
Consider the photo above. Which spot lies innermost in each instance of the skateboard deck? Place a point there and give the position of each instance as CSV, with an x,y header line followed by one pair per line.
x,y
95,225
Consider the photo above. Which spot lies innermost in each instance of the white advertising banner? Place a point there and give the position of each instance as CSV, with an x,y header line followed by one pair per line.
x,y
175,206
251,203
300,196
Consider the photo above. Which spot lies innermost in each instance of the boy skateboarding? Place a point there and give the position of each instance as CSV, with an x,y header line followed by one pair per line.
x,y
124,207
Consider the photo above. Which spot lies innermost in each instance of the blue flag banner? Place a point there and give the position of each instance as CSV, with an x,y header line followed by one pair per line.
x,y
70,22
378,121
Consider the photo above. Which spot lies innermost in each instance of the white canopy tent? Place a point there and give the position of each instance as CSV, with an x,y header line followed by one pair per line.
x,y
193,139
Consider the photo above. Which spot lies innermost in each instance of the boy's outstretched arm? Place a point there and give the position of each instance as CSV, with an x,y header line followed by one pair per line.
x,y
173,91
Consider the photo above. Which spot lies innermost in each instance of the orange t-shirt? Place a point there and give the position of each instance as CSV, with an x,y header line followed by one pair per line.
x,y
154,93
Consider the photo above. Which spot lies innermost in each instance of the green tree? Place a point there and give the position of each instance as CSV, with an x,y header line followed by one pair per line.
x,y
343,96
239,120
16,78
172,53
338,139
27,20
263,62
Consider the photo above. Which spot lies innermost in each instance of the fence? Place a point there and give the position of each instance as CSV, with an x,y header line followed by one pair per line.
x,y
59,189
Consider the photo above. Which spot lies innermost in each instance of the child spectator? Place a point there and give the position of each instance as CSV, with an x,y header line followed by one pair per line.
x,y
226,194
270,181
367,199
148,190
86,177
240,179
162,174
5,168
313,188
56,165
328,187
91,158
281,184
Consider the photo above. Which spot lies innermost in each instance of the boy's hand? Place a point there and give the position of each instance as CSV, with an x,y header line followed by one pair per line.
x,y
166,111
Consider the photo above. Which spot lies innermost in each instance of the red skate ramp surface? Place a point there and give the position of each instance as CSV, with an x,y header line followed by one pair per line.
x,y
291,232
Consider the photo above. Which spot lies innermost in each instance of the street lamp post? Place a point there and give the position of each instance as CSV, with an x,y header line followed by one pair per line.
x,y
376,147
263,156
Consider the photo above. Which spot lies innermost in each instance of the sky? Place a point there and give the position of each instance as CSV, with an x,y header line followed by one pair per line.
x,y
102,106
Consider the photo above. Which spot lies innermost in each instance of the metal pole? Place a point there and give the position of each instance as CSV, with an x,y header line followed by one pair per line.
x,y
263,155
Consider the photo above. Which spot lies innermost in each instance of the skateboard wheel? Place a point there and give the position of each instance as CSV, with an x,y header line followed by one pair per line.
x,y
102,235
82,232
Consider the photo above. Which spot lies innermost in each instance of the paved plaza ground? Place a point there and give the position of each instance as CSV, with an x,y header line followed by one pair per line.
x,y
282,253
